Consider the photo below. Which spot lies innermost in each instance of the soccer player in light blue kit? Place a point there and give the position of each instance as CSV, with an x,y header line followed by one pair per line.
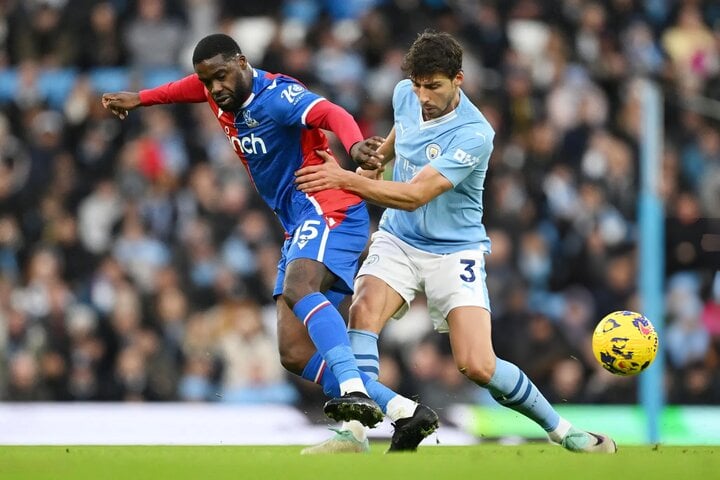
x,y
432,239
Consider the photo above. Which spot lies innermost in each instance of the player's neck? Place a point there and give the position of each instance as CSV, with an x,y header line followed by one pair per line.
x,y
454,104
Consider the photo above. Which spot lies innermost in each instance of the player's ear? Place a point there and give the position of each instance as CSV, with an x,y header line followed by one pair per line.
x,y
459,77
241,60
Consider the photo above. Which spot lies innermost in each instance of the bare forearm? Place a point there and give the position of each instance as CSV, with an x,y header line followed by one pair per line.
x,y
425,185
402,196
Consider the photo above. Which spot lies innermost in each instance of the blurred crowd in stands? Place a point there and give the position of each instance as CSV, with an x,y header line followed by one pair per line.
x,y
137,262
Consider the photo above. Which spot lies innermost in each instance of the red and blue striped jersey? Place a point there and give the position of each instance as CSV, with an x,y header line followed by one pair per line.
x,y
271,136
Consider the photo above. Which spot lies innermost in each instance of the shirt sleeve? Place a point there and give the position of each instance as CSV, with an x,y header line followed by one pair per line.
x,y
186,90
291,102
329,116
465,155
399,92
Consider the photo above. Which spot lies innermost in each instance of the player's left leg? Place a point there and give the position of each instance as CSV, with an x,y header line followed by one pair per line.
x,y
376,300
470,338
323,251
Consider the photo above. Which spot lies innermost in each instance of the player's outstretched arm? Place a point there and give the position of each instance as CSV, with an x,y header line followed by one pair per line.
x,y
186,90
120,103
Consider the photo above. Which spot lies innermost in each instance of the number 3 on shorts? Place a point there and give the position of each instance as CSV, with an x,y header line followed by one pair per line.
x,y
468,275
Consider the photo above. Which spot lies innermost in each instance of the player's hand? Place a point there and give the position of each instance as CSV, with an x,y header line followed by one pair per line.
x,y
120,103
325,176
365,153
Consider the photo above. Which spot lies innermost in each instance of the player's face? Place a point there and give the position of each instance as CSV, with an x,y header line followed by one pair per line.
x,y
228,81
437,93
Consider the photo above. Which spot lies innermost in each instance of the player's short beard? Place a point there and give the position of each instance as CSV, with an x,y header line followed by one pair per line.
x,y
241,92
447,109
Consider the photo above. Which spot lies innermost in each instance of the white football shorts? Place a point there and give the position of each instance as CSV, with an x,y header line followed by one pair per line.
x,y
448,280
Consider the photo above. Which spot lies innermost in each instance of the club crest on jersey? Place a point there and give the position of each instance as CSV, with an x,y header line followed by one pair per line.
x,y
249,121
372,259
432,151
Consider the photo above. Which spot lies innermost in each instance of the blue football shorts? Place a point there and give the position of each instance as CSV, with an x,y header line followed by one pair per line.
x,y
332,240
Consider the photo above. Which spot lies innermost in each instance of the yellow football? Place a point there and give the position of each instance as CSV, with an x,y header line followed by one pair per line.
x,y
625,343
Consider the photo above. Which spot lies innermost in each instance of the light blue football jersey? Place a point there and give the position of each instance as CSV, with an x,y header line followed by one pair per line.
x,y
458,145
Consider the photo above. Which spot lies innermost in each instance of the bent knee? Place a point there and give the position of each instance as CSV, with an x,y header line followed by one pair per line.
x,y
295,357
364,317
292,295
480,372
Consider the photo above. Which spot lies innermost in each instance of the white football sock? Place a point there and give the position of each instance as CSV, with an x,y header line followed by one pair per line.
x,y
352,385
400,407
357,429
560,431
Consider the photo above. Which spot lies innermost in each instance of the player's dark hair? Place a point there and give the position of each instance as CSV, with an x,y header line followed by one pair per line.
x,y
432,53
215,44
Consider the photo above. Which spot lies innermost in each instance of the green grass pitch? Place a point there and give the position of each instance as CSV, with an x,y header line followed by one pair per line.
x,y
487,461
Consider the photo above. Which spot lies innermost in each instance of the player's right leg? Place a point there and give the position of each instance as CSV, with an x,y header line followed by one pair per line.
x,y
300,353
316,258
299,356
374,303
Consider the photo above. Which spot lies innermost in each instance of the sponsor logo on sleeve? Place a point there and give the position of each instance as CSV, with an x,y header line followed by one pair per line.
x,y
293,92
465,158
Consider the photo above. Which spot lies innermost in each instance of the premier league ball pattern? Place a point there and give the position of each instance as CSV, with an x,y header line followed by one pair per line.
x,y
625,343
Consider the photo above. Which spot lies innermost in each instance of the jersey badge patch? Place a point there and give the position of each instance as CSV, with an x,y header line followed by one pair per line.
x,y
432,151
249,121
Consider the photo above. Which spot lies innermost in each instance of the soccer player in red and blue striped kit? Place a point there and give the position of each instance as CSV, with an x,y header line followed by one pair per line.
x,y
274,123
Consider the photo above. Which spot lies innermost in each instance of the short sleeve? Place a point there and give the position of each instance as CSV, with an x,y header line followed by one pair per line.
x,y
399,93
290,103
466,154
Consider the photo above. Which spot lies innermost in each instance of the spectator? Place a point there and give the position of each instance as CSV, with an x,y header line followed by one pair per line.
x,y
692,49
101,44
153,37
42,38
251,364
